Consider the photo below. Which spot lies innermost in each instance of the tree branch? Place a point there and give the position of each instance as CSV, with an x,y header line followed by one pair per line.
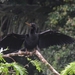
x,y
38,54
19,53
35,52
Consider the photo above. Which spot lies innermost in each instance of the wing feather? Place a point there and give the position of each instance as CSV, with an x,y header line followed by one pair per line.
x,y
12,41
49,38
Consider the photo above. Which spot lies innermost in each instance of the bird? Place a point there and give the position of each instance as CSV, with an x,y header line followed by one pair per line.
x,y
34,39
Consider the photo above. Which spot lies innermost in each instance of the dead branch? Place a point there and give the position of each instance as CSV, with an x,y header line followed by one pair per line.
x,y
19,53
37,53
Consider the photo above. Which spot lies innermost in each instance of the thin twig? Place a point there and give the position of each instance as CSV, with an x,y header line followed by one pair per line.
x,y
11,58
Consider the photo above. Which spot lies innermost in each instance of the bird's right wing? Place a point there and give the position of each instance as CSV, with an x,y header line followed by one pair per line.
x,y
12,41
49,38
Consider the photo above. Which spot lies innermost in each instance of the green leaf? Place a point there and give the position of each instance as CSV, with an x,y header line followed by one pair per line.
x,y
36,63
69,70
19,69
1,58
5,68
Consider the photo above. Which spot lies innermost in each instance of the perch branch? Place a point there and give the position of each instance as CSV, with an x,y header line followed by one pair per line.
x,y
38,54
35,52
19,53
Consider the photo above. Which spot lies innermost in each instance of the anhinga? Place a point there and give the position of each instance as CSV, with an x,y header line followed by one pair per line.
x,y
33,39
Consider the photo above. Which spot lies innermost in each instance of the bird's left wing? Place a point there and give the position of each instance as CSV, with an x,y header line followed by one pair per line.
x,y
49,38
12,41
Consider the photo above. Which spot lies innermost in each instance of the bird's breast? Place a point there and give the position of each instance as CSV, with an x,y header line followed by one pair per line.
x,y
31,41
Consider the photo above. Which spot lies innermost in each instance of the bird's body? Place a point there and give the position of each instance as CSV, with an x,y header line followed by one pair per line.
x,y
31,41
34,39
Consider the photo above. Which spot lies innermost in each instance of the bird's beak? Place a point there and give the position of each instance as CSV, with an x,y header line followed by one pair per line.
x,y
27,23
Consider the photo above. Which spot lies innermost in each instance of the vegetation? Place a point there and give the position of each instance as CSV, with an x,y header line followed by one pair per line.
x,y
11,68
69,70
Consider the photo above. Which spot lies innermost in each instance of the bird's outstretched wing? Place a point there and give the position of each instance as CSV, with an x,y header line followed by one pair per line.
x,y
12,41
49,38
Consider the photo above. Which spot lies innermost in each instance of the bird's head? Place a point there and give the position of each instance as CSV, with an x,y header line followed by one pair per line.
x,y
33,27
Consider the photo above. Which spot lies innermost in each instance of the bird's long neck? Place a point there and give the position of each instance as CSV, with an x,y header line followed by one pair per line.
x,y
32,34
33,31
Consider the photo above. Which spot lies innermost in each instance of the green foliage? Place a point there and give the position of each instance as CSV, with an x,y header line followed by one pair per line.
x,y
61,16
1,58
12,68
69,69
36,63
61,19
19,69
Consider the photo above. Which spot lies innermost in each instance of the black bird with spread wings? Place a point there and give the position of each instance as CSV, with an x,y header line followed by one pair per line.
x,y
33,39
